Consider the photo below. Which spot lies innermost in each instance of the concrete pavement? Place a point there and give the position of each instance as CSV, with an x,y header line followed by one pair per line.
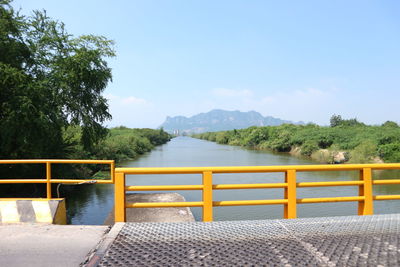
x,y
48,245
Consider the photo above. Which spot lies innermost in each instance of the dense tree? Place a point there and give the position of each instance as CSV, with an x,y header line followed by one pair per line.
x,y
390,124
49,81
335,120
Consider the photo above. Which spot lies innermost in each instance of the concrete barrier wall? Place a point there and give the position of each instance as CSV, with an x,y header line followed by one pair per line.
x,y
39,210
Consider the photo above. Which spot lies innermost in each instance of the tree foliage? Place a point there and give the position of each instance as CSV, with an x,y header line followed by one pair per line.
x,y
49,81
362,142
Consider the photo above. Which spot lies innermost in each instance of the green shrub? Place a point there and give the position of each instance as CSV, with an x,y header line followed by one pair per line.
x,y
390,152
362,141
309,147
363,153
222,137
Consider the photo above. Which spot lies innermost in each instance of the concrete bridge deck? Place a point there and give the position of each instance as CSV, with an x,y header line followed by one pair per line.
x,y
332,241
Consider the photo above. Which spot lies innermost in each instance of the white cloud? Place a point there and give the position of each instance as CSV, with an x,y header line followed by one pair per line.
x,y
133,100
129,100
224,92
132,111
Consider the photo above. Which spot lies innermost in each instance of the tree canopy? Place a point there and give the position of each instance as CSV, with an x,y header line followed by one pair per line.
x,y
49,80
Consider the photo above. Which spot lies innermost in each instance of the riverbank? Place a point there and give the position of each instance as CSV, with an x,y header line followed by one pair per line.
x,y
357,143
120,144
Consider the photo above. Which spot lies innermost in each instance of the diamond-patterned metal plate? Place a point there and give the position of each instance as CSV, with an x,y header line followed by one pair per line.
x,y
331,241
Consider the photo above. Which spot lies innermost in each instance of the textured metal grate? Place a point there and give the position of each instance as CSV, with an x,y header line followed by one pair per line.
x,y
332,241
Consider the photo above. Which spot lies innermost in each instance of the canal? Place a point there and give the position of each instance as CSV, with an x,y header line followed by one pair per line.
x,y
90,204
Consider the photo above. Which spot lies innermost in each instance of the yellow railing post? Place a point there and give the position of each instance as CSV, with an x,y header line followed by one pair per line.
x,y
290,210
119,197
112,171
366,207
48,180
207,197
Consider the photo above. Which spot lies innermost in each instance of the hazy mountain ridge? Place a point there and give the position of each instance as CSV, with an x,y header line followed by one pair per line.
x,y
219,120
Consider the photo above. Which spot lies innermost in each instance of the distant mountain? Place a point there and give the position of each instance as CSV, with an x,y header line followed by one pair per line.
x,y
219,120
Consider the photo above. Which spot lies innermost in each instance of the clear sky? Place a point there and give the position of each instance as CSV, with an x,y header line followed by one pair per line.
x,y
295,60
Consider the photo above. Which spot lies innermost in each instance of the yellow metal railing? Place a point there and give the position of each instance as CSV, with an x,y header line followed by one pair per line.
x,y
365,183
49,180
365,196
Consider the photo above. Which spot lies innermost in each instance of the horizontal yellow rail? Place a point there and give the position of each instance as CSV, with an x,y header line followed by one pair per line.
x,y
23,181
319,184
49,180
249,202
57,161
329,199
163,204
200,203
392,181
249,186
289,186
253,169
386,197
163,187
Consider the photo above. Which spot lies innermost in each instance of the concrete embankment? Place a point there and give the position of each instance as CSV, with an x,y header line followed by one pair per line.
x,y
179,214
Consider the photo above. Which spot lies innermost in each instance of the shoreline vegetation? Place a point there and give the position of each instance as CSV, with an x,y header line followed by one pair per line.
x,y
344,141
120,144
124,144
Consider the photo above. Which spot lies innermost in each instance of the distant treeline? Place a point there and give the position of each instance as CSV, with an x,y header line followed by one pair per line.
x,y
355,141
121,143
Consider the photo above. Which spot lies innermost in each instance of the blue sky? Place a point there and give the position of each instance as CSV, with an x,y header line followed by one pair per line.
x,y
295,60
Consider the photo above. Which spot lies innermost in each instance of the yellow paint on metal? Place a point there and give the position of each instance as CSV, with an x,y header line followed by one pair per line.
x,y
392,181
207,197
60,161
117,176
337,183
119,197
366,207
112,171
290,209
252,169
163,187
23,181
28,198
48,179
249,202
163,204
9,212
386,197
249,186
42,211
329,199
290,200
